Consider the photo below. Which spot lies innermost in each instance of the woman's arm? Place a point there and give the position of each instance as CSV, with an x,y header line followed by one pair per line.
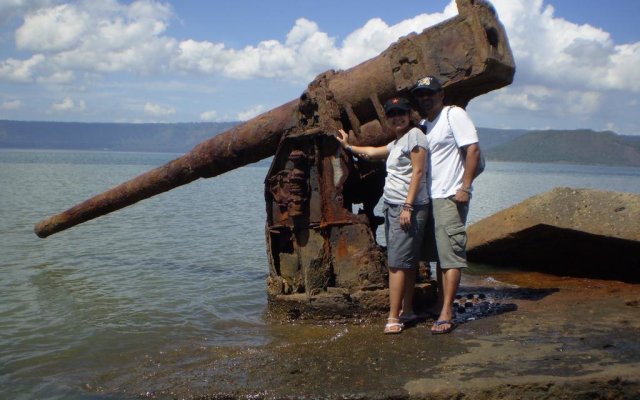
x,y
369,151
418,162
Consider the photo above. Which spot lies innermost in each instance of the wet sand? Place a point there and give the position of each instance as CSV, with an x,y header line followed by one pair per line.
x,y
557,338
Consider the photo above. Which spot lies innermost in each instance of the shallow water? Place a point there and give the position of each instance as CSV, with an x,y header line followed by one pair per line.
x,y
180,272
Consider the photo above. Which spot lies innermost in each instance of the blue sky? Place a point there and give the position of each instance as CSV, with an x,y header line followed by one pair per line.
x,y
187,61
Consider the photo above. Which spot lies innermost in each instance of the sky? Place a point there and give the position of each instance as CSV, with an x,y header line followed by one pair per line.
x,y
577,61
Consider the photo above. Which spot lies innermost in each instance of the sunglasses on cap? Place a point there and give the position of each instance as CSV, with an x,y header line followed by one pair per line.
x,y
396,113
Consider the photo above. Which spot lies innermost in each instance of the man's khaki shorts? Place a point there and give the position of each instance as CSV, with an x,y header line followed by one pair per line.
x,y
450,233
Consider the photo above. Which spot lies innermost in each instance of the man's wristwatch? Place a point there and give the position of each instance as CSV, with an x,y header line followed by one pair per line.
x,y
468,190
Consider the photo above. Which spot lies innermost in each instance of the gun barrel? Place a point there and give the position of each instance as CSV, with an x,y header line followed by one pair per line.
x,y
244,144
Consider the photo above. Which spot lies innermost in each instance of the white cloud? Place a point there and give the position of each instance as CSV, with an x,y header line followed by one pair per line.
x,y
68,104
529,98
88,36
582,102
305,53
209,116
11,105
292,60
552,51
53,29
623,72
64,105
568,75
57,78
158,110
21,70
202,57
250,113
108,37
611,126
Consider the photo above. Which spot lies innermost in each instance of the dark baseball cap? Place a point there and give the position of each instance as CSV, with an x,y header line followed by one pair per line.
x,y
397,103
428,83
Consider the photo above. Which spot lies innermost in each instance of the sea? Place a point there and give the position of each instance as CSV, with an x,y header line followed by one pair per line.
x,y
81,310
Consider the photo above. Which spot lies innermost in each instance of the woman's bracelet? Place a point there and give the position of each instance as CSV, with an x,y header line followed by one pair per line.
x,y
407,207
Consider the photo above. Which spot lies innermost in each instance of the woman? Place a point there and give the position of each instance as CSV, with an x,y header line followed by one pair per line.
x,y
405,208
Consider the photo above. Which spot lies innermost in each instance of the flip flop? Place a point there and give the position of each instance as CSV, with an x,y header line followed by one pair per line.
x,y
391,328
451,327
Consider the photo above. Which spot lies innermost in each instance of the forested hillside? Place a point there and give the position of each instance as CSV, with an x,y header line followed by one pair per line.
x,y
107,136
579,147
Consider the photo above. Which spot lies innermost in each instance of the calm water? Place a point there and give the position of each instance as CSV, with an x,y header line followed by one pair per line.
x,y
183,270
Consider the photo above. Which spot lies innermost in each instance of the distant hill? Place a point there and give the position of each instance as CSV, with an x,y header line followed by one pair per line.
x,y
179,138
577,146
490,138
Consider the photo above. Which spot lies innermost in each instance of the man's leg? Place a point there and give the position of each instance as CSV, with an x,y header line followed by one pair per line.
x,y
450,219
436,309
409,288
430,254
450,283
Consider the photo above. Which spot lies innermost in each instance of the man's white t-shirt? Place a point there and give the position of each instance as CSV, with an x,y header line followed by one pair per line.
x,y
399,169
445,136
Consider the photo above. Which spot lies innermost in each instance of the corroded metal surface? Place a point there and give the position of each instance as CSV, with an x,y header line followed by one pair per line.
x,y
320,221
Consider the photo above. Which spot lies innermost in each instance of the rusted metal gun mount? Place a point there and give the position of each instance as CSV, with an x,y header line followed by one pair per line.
x,y
317,245
329,250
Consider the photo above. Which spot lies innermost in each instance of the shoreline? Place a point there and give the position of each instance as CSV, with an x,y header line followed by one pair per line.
x,y
566,338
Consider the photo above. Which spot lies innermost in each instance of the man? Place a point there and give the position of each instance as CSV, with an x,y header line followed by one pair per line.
x,y
454,157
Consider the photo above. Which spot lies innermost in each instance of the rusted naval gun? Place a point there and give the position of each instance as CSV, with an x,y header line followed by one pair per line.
x,y
323,254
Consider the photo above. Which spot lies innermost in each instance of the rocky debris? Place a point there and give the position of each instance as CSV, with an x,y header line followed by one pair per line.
x,y
566,231
473,306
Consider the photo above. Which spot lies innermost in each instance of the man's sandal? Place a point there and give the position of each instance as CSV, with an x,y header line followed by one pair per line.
x,y
435,328
393,326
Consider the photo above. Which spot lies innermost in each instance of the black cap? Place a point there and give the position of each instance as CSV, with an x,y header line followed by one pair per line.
x,y
397,103
428,83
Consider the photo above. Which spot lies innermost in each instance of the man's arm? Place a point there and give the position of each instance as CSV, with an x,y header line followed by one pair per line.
x,y
472,159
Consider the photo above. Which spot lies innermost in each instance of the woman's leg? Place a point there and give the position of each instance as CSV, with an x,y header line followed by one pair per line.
x,y
397,277
397,280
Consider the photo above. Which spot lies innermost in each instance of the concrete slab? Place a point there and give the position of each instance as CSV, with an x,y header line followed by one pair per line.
x,y
566,231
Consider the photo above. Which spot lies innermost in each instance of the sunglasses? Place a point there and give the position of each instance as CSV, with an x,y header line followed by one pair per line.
x,y
396,113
